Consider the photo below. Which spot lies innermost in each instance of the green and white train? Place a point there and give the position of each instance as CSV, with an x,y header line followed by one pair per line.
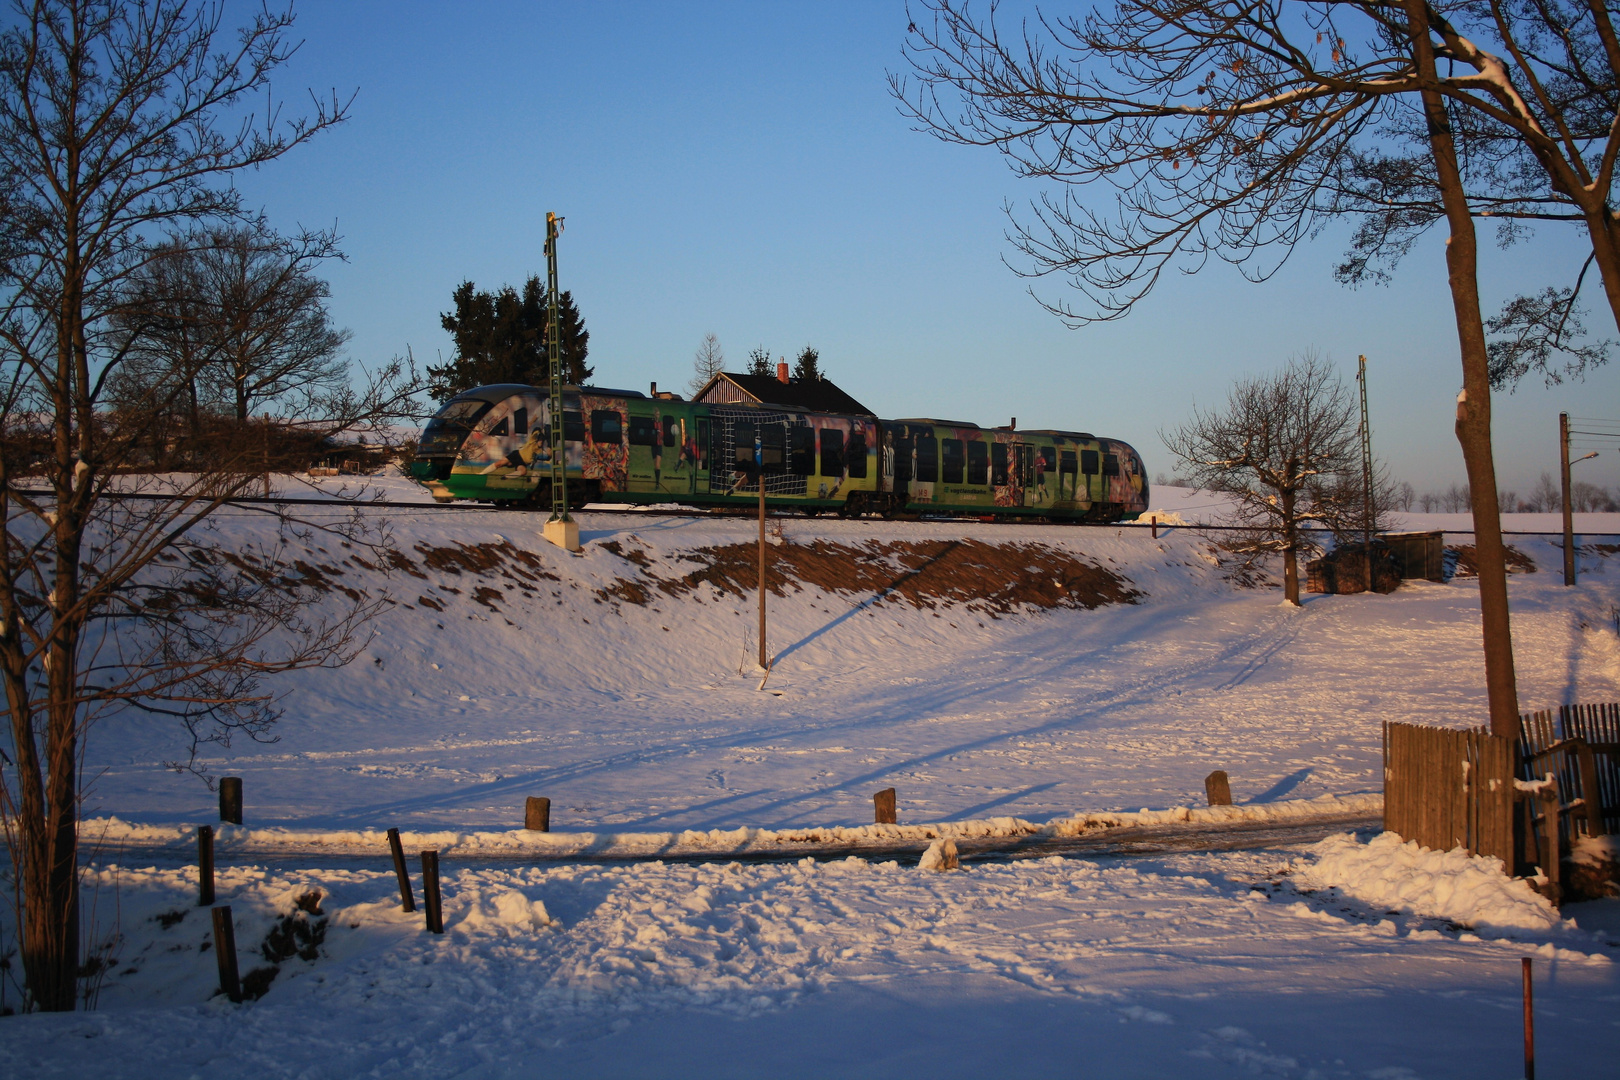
x,y
492,444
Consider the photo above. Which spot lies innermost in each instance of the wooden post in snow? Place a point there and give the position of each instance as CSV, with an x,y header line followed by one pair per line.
x,y
230,799
407,902
883,807
430,892
225,953
205,866
764,655
1529,1023
1218,789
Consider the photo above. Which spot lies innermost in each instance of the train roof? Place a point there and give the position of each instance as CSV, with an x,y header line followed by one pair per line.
x,y
497,392
931,420
1055,431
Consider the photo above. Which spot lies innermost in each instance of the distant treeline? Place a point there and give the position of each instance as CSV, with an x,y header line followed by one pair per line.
x,y
1544,498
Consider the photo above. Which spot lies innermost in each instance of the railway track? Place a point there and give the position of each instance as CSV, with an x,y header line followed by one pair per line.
x,y
697,512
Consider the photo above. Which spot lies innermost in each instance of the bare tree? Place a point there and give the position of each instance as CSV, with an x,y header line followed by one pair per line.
x,y
709,362
1233,129
121,125
1285,449
1545,497
235,319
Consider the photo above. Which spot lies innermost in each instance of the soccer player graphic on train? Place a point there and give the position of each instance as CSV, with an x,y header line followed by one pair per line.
x,y
533,453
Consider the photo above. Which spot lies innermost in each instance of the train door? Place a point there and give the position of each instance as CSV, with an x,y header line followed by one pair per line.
x,y
903,462
1024,471
704,456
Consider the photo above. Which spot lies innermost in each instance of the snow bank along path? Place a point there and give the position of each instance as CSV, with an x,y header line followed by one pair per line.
x,y
1271,963
112,837
507,668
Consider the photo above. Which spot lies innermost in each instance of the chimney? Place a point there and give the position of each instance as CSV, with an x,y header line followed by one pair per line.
x,y
1013,423
653,391
781,371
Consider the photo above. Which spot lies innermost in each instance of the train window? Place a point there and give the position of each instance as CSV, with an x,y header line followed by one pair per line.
x,y
952,462
671,431
978,463
499,430
1110,465
1088,462
642,432
927,459
832,451
773,447
855,455
743,433
1049,459
607,426
998,464
702,448
802,450
574,426
520,421
1067,463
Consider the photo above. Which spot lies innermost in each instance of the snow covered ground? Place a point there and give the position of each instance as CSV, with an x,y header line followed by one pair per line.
x,y
619,683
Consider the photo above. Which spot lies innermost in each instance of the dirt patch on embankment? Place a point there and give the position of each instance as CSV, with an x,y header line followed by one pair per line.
x,y
1468,560
992,578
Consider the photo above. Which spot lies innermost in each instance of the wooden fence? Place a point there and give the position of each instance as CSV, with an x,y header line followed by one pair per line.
x,y
1579,745
1446,788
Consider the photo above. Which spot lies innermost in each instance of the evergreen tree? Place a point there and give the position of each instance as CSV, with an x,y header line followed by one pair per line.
x,y
501,337
759,362
808,366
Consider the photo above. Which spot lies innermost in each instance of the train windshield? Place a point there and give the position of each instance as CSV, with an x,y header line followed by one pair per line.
x,y
453,423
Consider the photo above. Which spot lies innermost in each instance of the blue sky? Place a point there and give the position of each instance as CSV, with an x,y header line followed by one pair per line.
x,y
741,169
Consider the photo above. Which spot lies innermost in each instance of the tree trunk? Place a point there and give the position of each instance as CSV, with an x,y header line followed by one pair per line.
x,y
1600,227
1474,404
1290,550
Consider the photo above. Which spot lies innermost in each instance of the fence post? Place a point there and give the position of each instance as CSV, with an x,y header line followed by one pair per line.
x,y
406,901
537,814
230,799
883,807
225,954
1217,789
430,892
205,866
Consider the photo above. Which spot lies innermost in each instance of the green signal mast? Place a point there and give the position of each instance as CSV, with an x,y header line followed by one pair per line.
x,y
561,529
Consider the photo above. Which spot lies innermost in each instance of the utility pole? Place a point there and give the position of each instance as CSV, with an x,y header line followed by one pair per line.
x,y
561,529
1569,516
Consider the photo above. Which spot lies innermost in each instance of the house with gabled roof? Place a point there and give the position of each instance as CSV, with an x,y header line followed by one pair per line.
x,y
812,395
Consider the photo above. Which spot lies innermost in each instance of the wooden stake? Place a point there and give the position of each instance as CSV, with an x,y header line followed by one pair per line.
x,y
1217,789
430,892
205,866
407,902
230,799
1155,522
764,656
225,953
883,807
537,814
1529,1024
